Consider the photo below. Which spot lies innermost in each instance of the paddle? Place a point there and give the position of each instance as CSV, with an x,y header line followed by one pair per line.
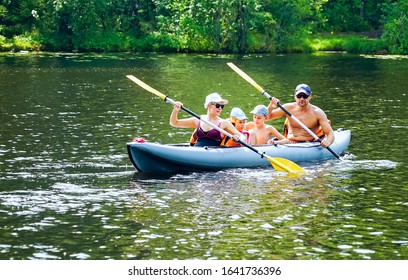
x,y
260,89
279,164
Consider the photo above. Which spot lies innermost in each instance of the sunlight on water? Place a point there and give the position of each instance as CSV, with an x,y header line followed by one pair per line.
x,y
350,164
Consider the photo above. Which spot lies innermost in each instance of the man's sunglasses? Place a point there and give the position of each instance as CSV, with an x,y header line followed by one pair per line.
x,y
217,105
302,95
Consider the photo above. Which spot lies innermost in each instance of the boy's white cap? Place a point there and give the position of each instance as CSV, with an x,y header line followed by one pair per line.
x,y
214,97
238,113
260,110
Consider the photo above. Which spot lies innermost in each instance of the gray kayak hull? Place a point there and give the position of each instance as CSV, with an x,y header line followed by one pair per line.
x,y
173,158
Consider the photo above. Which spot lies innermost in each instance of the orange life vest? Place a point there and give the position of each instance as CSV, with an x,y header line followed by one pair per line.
x,y
229,142
226,141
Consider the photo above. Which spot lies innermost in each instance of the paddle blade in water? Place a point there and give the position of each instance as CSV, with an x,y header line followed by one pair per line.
x,y
282,164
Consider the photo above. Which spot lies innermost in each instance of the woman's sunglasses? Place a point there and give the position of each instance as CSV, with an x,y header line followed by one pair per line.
x,y
302,95
217,105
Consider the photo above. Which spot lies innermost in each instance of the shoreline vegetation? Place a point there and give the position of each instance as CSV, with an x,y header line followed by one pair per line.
x,y
191,26
349,43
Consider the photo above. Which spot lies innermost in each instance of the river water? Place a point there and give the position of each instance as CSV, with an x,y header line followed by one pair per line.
x,y
69,191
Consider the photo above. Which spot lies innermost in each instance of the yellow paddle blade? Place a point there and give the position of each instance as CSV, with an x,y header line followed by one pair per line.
x,y
245,76
146,86
282,164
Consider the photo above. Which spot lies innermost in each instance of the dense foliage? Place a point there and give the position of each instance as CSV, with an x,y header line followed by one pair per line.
x,y
228,26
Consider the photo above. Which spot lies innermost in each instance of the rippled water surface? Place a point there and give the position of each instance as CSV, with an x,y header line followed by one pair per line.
x,y
69,191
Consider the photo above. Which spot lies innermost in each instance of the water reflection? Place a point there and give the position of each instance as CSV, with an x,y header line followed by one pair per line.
x,y
281,212
217,215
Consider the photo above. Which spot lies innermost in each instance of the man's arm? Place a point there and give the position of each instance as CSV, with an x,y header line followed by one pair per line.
x,y
327,129
275,113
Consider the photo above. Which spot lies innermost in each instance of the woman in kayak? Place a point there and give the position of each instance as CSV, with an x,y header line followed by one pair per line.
x,y
205,134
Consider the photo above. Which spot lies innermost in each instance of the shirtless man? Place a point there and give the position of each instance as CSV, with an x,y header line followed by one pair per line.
x,y
264,132
310,115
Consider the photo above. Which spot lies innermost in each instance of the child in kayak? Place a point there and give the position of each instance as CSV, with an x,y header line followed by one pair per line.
x,y
265,134
238,119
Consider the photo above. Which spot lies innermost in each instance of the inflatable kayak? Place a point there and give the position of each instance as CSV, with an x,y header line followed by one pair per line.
x,y
173,158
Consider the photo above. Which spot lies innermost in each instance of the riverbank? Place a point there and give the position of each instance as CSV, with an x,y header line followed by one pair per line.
x,y
362,43
365,43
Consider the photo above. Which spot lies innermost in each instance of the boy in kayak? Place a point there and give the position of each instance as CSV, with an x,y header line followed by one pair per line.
x,y
310,115
205,134
238,119
265,134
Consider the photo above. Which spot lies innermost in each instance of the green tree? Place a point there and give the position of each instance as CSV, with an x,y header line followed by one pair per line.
x,y
396,26
289,22
197,25
352,15
228,26
17,16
